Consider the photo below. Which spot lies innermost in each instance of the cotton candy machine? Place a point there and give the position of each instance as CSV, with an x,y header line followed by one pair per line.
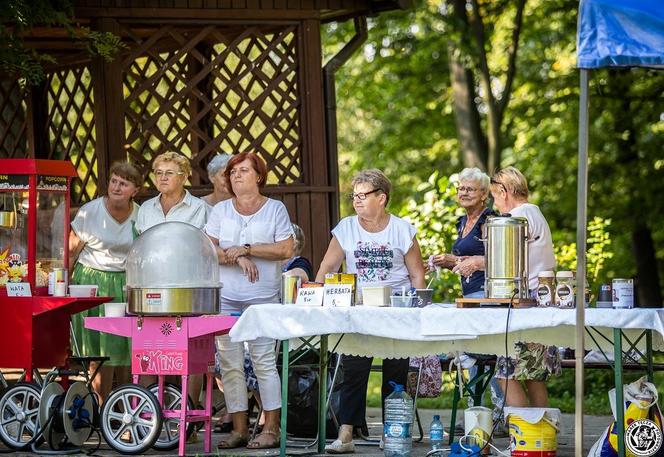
x,y
173,269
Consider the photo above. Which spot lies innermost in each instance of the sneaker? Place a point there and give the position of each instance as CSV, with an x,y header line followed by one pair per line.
x,y
337,447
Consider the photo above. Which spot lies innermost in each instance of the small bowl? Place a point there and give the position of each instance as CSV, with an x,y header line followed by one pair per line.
x,y
83,290
399,301
114,309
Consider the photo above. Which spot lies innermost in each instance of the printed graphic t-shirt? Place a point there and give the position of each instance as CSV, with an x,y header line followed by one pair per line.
x,y
376,258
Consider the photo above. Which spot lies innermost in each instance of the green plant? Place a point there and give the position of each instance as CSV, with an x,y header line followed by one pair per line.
x,y
434,215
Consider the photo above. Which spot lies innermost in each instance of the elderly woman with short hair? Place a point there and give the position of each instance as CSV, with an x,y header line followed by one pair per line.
x,y
174,203
382,250
467,258
534,362
215,170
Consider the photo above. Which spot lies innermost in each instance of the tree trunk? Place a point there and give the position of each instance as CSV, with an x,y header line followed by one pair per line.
x,y
648,288
472,142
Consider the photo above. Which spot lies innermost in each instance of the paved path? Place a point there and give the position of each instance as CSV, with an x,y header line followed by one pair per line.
x,y
594,426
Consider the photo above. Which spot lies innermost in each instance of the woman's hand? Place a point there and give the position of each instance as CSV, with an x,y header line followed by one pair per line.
x,y
235,252
466,266
248,268
444,260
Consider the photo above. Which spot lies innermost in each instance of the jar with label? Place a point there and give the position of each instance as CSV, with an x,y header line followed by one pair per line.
x,y
545,289
565,289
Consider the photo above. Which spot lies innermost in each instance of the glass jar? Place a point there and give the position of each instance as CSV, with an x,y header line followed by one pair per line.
x,y
546,290
565,289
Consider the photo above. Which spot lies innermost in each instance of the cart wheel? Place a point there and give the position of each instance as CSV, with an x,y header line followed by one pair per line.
x,y
19,414
131,419
170,432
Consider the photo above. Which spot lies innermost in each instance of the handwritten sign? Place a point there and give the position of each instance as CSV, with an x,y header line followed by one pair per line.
x,y
309,296
19,289
338,295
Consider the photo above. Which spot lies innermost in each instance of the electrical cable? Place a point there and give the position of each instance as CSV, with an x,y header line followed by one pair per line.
x,y
507,380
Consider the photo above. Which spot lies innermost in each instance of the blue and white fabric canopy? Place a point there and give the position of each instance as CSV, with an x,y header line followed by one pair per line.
x,y
620,33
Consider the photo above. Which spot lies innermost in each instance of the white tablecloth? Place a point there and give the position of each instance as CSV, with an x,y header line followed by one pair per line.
x,y
403,332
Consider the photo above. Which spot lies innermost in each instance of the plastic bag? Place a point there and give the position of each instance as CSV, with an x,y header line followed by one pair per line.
x,y
640,403
303,385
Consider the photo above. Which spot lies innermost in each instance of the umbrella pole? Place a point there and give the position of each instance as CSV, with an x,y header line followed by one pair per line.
x,y
581,223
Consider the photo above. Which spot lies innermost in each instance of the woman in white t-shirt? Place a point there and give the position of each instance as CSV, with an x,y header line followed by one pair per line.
x,y
253,235
383,251
101,234
534,362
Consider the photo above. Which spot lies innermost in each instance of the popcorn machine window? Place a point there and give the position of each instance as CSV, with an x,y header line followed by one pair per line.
x,y
34,220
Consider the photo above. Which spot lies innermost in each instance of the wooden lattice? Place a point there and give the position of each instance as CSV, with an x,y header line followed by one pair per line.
x,y
13,125
71,127
206,90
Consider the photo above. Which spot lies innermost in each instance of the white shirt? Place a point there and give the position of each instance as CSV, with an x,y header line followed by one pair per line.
x,y
540,249
107,242
269,224
191,210
376,258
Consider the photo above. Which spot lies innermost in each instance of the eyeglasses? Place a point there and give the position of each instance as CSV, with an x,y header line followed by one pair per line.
x,y
498,183
168,174
362,195
470,190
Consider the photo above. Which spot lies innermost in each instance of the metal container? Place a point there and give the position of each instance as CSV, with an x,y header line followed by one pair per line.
x,y
289,287
506,248
173,269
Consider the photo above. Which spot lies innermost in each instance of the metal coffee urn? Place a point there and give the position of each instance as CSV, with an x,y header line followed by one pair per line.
x,y
506,246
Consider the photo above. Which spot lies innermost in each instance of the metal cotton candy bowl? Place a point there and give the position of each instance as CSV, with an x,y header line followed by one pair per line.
x,y
172,269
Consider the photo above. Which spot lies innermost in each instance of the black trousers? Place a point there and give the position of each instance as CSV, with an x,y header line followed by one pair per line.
x,y
353,390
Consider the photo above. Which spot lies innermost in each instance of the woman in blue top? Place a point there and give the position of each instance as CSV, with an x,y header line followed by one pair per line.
x,y
467,258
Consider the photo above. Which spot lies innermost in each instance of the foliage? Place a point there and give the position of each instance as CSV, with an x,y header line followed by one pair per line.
x,y
20,17
598,251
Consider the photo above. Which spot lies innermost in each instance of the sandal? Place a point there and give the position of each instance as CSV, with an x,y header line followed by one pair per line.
x,y
267,439
235,440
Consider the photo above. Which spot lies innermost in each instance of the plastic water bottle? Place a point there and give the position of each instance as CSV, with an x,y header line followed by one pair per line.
x,y
397,433
436,433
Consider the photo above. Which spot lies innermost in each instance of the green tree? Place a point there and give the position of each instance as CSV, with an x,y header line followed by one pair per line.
x,y
20,17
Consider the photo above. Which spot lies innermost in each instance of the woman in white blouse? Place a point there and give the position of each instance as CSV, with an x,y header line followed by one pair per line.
x,y
253,235
99,241
174,202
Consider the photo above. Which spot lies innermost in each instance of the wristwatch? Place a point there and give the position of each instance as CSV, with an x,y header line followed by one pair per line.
x,y
247,246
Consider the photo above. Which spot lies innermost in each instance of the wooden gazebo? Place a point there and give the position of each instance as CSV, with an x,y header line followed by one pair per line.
x,y
198,77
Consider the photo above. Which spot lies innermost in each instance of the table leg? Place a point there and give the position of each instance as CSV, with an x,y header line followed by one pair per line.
x,y
183,415
620,401
455,404
208,412
651,376
322,394
284,396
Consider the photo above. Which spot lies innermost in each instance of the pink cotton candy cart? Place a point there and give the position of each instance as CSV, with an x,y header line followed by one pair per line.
x,y
134,418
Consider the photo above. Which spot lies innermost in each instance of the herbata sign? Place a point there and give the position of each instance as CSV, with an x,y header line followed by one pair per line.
x,y
157,361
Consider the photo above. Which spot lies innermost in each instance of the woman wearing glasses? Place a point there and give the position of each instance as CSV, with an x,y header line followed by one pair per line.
x,y
534,362
467,258
383,251
174,203
253,235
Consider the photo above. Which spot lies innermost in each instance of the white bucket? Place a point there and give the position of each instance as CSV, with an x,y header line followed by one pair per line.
x,y
478,424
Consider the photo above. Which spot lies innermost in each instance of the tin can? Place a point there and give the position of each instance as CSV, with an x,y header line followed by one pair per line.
x,y
59,276
289,287
623,293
